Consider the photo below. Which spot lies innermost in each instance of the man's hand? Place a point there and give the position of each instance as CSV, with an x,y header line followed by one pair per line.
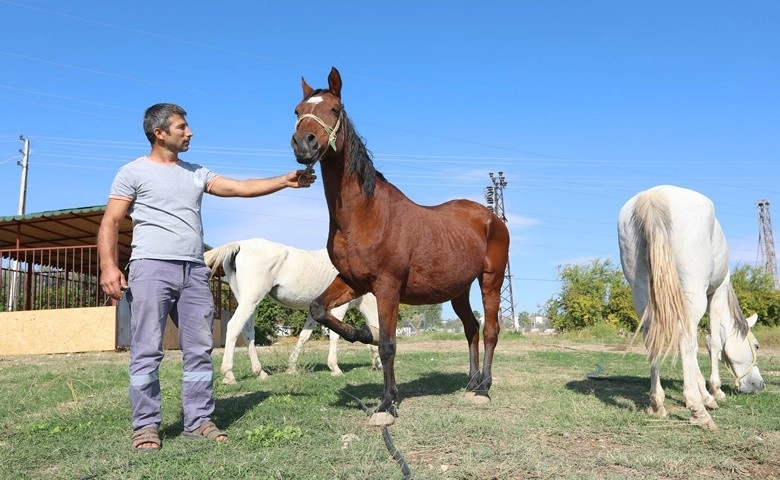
x,y
302,178
113,282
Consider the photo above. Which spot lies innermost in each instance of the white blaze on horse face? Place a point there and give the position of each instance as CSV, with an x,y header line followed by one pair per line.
x,y
314,100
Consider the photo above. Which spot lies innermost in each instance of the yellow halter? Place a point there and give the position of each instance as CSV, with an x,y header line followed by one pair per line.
x,y
738,378
331,131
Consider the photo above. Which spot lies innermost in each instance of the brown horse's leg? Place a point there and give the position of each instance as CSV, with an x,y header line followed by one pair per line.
x,y
490,283
387,306
338,293
491,301
462,308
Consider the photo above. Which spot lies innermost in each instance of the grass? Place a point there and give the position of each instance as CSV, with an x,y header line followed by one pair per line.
x,y
67,416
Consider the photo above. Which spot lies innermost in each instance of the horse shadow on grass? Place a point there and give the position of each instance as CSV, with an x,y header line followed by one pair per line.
x,y
623,391
230,409
431,383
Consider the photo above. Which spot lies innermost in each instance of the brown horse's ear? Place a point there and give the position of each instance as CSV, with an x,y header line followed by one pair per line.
x,y
334,82
306,88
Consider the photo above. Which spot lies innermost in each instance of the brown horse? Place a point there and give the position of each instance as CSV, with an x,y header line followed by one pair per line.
x,y
382,242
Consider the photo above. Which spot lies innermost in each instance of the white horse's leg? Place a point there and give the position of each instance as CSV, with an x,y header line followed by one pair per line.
x,y
657,395
249,338
308,326
367,306
693,382
719,312
235,325
333,363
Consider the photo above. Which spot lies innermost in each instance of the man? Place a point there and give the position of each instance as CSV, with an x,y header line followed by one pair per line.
x,y
166,273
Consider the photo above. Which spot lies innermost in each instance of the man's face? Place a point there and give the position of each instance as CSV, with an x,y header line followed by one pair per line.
x,y
177,138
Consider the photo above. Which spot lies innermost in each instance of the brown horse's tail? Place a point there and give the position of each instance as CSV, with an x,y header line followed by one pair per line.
x,y
665,318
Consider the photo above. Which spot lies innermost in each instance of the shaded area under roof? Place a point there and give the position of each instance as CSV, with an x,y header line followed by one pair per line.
x,y
71,227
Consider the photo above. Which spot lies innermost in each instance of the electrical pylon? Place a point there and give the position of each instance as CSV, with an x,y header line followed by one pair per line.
x,y
494,196
766,242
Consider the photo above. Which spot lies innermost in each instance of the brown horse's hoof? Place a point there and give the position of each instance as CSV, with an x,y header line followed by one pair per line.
x,y
381,419
478,398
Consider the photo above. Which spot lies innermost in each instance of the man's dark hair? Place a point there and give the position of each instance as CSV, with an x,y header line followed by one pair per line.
x,y
159,116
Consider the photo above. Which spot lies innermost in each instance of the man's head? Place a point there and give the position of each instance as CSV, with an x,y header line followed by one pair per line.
x,y
165,125
159,116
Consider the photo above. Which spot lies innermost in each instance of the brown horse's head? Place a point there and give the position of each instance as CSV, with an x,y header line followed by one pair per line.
x,y
320,116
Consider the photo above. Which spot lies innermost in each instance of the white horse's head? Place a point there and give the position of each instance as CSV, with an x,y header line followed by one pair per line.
x,y
740,353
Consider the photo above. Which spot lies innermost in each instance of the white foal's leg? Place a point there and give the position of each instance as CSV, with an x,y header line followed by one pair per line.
x,y
308,326
657,395
249,338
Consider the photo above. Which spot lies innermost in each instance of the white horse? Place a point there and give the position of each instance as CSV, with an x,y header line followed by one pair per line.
x,y
675,257
258,267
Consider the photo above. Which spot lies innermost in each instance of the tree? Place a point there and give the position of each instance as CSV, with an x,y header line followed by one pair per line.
x,y
269,314
756,292
590,294
420,317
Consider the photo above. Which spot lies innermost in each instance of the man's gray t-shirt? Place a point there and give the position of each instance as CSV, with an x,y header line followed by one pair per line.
x,y
165,207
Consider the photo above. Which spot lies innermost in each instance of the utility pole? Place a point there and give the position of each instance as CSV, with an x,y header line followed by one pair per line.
x,y
766,243
494,196
13,291
24,162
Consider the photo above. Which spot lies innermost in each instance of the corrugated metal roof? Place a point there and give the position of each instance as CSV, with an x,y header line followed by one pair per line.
x,y
61,228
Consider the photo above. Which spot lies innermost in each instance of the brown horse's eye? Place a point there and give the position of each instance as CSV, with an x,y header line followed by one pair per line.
x,y
296,112
336,111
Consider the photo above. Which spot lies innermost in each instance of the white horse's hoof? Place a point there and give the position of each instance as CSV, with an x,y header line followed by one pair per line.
x,y
229,379
718,394
711,404
705,423
261,375
478,399
656,411
381,419
336,373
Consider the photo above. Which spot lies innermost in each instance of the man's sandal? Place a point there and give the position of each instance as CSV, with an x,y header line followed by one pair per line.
x,y
146,435
207,431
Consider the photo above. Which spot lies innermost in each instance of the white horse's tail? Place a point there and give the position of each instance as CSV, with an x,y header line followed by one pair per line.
x,y
223,256
665,318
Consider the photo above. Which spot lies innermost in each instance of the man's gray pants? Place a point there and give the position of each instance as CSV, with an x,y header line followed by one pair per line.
x,y
159,288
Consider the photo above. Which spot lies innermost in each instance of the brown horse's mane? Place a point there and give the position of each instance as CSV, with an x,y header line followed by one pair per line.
x,y
360,160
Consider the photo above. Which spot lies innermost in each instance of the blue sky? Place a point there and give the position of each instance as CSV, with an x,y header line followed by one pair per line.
x,y
580,104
